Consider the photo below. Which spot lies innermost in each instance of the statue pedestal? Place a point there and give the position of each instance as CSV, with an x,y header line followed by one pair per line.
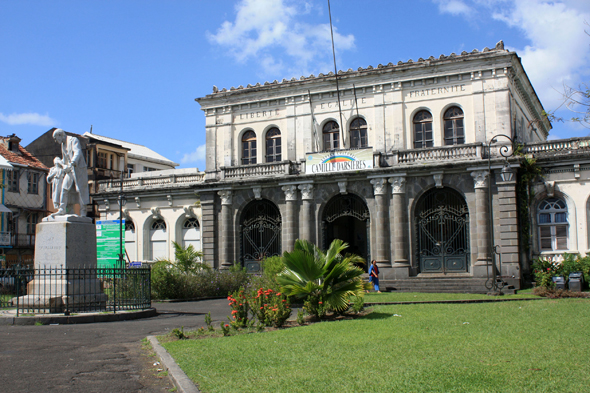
x,y
65,267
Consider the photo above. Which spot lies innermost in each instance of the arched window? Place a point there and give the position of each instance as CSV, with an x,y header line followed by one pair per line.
x,y
130,236
358,133
158,239
191,234
249,148
454,130
273,145
331,136
423,130
553,225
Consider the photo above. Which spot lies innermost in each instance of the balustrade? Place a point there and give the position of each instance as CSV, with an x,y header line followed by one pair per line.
x,y
567,146
462,152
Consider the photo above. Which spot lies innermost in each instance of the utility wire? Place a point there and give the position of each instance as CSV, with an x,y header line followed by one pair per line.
x,y
336,76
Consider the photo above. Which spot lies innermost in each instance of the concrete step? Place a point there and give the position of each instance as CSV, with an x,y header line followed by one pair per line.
x,y
441,285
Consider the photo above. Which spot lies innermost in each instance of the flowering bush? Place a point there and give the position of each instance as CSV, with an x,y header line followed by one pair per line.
x,y
315,306
270,307
239,306
544,270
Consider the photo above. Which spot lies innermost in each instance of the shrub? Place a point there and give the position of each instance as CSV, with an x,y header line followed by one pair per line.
x,y
239,306
271,308
544,270
557,293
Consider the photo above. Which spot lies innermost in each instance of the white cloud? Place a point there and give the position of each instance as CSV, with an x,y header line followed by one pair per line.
x,y
195,156
558,52
454,7
264,27
34,119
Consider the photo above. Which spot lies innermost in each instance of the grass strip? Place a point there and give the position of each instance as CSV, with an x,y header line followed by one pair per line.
x,y
482,347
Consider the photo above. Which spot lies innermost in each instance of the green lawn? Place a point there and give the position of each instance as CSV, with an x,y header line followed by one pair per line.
x,y
540,346
374,297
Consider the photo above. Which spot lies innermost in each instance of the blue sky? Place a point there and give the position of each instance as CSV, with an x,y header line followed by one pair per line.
x,y
132,69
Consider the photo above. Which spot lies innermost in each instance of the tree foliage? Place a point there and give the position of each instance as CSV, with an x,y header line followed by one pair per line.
x,y
325,280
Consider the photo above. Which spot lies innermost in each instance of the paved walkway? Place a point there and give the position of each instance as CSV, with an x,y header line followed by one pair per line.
x,y
98,357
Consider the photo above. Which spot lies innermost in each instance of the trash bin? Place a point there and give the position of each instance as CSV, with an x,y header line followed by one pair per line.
x,y
575,281
559,282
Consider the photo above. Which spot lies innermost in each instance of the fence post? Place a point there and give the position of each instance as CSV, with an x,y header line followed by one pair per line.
x,y
114,292
17,279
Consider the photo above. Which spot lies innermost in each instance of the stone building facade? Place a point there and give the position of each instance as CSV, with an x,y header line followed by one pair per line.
x,y
400,162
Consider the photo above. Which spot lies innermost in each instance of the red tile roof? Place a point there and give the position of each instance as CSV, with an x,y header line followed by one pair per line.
x,y
25,158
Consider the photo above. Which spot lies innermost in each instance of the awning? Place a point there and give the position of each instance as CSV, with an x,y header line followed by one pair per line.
x,y
4,209
4,164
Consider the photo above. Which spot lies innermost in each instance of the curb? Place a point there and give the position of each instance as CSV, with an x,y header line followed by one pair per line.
x,y
75,319
179,378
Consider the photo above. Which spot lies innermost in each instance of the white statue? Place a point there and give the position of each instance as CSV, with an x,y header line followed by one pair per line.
x,y
73,187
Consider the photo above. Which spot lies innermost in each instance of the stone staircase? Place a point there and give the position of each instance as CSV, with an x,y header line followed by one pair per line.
x,y
440,285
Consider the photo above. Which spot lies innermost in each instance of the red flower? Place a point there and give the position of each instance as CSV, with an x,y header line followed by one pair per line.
x,y
320,302
261,308
226,325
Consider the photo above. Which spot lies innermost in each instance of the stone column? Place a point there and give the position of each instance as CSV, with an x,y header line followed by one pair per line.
x,y
508,227
381,227
482,221
307,216
290,230
209,229
399,240
227,231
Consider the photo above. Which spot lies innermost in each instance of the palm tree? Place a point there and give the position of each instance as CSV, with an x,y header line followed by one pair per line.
x,y
324,279
187,260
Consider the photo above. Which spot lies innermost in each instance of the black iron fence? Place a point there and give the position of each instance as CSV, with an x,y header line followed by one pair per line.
x,y
67,290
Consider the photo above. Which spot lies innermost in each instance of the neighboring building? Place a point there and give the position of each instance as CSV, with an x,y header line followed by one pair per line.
x,y
139,158
25,196
403,173
106,158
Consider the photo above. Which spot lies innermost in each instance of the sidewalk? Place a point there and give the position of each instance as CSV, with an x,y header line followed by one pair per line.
x,y
94,357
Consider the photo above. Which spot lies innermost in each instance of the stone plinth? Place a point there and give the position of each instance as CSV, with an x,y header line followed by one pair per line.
x,y
65,241
65,259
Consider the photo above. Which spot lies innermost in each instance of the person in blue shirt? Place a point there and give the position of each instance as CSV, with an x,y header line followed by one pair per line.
x,y
374,275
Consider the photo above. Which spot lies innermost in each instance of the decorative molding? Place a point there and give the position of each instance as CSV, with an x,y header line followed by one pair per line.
x,y
438,178
257,192
126,215
290,192
226,197
156,214
342,186
480,178
398,184
379,186
189,211
107,204
576,171
306,191
169,197
138,202
550,187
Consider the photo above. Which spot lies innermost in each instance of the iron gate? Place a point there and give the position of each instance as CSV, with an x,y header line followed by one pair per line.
x,y
261,233
354,208
442,225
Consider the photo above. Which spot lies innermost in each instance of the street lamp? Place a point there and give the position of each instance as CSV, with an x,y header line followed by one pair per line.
x,y
121,201
494,283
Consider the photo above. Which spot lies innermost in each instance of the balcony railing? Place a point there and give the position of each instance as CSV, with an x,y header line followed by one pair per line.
x,y
137,182
441,153
22,240
268,169
562,146
5,239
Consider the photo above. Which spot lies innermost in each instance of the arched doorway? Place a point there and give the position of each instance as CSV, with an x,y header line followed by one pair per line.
x,y
442,229
260,228
346,217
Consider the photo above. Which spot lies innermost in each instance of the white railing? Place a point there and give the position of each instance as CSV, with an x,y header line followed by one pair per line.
x,y
260,170
568,146
445,153
5,239
149,182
